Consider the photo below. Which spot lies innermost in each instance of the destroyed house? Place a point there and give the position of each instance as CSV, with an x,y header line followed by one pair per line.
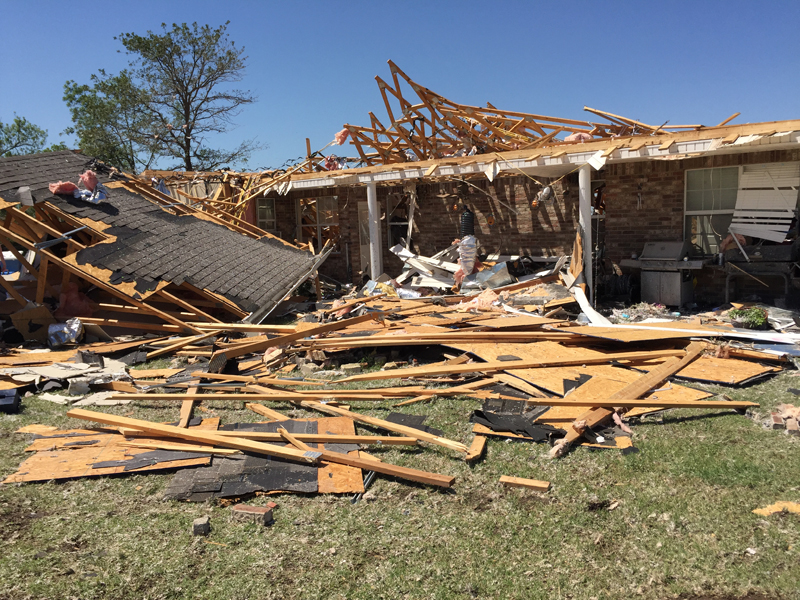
x,y
642,197
137,259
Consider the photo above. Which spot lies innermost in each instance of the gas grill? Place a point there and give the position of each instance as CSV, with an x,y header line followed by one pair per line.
x,y
666,272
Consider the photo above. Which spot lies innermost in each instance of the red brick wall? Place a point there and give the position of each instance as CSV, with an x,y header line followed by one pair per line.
x,y
544,230
662,188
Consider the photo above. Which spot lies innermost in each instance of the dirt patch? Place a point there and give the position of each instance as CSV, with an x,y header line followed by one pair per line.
x,y
15,519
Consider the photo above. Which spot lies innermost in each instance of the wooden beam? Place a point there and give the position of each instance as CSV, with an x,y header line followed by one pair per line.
x,y
195,435
285,339
264,411
637,389
289,438
325,438
40,284
445,481
181,344
519,482
187,305
501,365
13,292
187,406
402,429
476,448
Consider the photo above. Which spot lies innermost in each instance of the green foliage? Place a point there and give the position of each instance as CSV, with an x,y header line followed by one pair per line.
x,y
20,136
750,318
167,106
109,122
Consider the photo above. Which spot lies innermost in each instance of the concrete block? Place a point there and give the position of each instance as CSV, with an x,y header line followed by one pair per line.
x,y
310,369
201,526
777,421
395,364
261,515
792,427
351,368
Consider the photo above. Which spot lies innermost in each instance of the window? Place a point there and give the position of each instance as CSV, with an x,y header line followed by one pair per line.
x,y
265,215
397,207
710,199
318,221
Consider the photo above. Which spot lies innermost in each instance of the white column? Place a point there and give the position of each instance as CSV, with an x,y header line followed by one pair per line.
x,y
375,244
585,222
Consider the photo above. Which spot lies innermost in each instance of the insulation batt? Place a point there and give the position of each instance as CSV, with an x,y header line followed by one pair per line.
x,y
89,180
62,187
341,137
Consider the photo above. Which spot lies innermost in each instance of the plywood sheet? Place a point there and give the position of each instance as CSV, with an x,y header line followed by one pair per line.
x,y
77,461
552,378
518,321
729,371
632,335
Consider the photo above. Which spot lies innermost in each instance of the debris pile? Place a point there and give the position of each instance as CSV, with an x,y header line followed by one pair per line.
x,y
540,380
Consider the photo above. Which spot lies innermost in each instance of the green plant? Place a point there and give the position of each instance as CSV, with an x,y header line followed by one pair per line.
x,y
750,318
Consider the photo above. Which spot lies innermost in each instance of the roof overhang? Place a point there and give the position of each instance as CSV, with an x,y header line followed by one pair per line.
x,y
559,160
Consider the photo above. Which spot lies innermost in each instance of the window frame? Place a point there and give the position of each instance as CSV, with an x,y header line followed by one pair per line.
x,y
318,239
261,224
687,234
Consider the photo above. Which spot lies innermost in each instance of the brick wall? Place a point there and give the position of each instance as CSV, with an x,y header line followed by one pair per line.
x,y
661,184
545,230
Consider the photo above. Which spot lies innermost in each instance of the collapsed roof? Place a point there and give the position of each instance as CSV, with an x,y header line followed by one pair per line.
x,y
139,245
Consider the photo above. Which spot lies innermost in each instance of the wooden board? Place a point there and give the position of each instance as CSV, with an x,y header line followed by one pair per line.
x,y
517,321
631,335
193,435
552,379
519,482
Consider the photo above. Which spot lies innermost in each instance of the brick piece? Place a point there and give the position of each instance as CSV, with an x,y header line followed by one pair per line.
x,y
201,526
261,515
777,421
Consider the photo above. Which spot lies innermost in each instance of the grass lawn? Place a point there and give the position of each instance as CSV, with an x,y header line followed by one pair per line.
x,y
681,523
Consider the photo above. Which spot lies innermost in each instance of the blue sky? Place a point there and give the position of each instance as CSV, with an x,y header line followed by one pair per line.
x,y
312,64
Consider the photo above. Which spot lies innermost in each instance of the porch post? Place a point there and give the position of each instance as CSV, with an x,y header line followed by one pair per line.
x,y
585,222
375,244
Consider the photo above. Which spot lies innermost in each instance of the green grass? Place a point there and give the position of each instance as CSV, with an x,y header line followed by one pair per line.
x,y
681,528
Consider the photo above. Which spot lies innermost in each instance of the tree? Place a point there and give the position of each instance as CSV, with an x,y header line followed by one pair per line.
x,y
174,97
110,123
21,137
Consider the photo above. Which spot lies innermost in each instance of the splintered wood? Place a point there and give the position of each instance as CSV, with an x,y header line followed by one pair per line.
x,y
539,378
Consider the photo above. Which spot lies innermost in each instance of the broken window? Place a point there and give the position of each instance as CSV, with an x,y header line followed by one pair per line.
x,y
265,215
710,199
318,220
397,207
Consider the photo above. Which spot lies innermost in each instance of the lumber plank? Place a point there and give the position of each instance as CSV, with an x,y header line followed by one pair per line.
x,y
13,292
459,389
285,339
195,435
490,367
425,477
476,448
325,438
402,429
266,412
181,344
637,389
519,482
289,438
187,407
